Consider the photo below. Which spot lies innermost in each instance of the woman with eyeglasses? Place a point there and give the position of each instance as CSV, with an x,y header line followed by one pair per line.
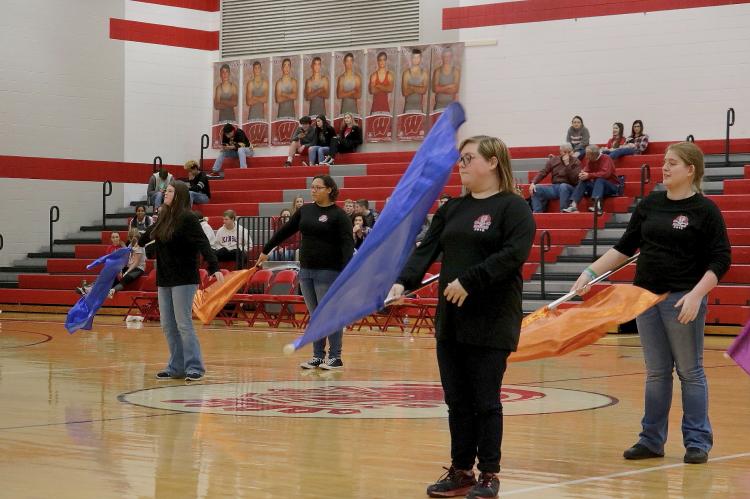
x,y
485,237
325,249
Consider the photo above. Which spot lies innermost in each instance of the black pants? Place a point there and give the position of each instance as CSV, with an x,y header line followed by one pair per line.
x,y
337,146
471,378
127,279
226,255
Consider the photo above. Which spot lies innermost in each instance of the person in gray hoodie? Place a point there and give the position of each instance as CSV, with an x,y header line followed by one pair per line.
x,y
157,185
578,136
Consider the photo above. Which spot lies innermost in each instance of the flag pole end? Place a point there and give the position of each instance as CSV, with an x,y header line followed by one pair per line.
x,y
289,349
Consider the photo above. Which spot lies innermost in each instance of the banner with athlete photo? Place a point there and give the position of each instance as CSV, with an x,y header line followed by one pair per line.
x,y
255,100
446,77
285,112
382,67
348,86
316,91
225,98
414,84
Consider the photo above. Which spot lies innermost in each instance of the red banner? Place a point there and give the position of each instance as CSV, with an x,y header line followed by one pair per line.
x,y
285,98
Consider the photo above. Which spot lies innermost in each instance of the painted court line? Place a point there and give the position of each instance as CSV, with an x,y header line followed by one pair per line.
x,y
616,475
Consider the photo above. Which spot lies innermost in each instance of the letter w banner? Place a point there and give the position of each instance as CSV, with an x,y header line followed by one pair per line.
x,y
555,332
739,350
81,315
363,285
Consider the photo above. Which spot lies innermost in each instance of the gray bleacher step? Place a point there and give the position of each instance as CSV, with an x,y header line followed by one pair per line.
x,y
8,284
555,287
99,228
569,277
24,269
584,251
56,254
355,170
564,267
602,241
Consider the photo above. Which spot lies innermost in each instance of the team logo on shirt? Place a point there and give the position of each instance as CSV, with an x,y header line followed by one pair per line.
x,y
323,218
482,223
680,222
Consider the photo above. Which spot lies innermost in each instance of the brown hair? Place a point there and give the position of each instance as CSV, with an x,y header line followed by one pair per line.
x,y
294,202
169,213
691,155
192,165
492,147
231,214
133,233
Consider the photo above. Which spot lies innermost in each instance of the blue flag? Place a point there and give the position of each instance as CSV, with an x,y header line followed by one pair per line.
x,y
81,315
363,285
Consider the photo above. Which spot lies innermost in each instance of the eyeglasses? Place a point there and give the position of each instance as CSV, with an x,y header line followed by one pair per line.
x,y
466,159
318,187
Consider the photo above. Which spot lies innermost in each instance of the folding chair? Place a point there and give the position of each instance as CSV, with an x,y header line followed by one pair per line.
x,y
258,285
147,301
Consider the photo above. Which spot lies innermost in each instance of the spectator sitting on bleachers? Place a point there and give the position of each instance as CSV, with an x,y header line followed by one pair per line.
x,y
234,144
114,238
598,179
578,137
200,192
637,143
136,264
616,140
362,207
302,138
423,230
157,185
227,246
321,146
444,198
564,170
349,207
141,221
285,251
348,139
360,230
207,229
297,204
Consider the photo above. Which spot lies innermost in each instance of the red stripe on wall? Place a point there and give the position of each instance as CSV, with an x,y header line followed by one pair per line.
x,y
207,5
531,11
82,170
160,34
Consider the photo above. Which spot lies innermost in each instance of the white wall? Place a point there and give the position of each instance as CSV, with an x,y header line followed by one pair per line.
x,y
27,229
61,83
678,71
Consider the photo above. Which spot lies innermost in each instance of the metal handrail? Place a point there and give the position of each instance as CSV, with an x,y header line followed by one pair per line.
x,y
2,241
597,210
205,143
730,123
645,178
106,192
157,160
545,244
690,138
54,216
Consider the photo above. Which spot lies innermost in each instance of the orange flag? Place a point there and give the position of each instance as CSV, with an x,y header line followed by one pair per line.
x,y
208,302
551,333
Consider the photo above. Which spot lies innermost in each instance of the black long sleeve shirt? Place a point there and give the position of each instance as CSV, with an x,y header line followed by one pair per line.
x,y
679,241
485,243
177,259
199,183
327,241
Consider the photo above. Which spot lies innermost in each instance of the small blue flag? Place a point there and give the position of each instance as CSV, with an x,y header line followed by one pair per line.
x,y
81,315
363,285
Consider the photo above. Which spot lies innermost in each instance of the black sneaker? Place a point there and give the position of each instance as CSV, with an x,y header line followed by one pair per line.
x,y
639,451
287,164
694,455
164,375
312,363
193,377
487,487
332,363
453,483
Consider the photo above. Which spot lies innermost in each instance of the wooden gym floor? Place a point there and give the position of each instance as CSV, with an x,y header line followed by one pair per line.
x,y
82,416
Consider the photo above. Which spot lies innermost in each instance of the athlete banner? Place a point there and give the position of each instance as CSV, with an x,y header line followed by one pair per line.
x,y
285,98
381,83
225,98
348,86
414,85
316,71
256,107
446,77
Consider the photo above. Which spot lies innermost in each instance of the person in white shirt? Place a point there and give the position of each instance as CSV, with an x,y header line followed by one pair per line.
x,y
226,245
136,264
207,229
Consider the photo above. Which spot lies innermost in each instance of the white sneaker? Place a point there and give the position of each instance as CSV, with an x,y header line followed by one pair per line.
x,y
571,209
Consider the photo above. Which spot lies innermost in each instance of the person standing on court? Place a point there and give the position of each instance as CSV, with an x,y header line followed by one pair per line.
x,y
178,239
325,249
684,251
485,237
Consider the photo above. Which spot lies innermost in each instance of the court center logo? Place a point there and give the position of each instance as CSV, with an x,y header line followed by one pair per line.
x,y
350,399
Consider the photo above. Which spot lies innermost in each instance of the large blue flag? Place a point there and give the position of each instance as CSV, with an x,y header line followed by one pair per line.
x,y
81,315
363,285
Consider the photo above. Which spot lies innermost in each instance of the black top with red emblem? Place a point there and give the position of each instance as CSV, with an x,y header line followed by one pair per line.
x,y
679,241
485,243
327,241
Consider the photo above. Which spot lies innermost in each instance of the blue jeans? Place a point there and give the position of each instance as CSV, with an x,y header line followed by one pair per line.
x,y
316,154
597,189
198,198
243,153
668,344
620,152
543,193
157,199
315,284
282,255
176,313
